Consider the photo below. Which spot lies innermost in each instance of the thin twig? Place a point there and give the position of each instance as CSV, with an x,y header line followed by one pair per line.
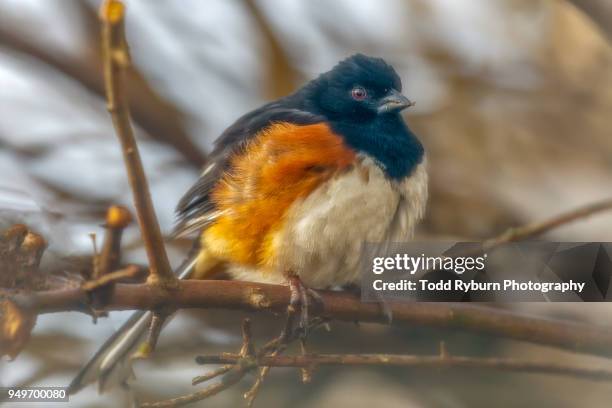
x,y
210,375
229,379
128,273
419,361
155,327
108,260
280,76
116,59
276,347
32,248
95,260
540,227
117,219
252,393
230,376
307,363
306,371
248,349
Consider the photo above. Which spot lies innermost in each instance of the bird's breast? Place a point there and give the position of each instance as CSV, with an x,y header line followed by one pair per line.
x,y
321,236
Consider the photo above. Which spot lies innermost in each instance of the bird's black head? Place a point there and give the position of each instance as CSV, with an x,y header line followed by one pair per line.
x,y
359,88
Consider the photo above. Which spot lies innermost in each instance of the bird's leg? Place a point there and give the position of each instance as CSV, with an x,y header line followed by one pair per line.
x,y
300,301
294,303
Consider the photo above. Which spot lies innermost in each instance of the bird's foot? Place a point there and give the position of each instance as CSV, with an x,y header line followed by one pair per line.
x,y
301,301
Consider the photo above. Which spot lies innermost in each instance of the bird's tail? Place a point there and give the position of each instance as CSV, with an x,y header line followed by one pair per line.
x,y
110,365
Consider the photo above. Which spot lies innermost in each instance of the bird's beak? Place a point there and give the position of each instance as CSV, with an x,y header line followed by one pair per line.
x,y
394,102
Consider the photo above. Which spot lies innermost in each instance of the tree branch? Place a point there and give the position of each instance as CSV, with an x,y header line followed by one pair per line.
x,y
540,227
415,361
128,273
599,11
116,59
157,116
249,359
281,77
230,377
573,336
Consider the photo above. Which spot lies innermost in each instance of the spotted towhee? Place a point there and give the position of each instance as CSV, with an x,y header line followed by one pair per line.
x,y
295,187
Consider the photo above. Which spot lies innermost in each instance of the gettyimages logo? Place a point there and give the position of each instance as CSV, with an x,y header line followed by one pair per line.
x,y
413,264
526,271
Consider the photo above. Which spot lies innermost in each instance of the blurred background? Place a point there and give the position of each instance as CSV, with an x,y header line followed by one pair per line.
x,y
513,104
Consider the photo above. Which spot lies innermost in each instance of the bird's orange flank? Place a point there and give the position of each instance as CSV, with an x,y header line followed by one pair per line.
x,y
282,164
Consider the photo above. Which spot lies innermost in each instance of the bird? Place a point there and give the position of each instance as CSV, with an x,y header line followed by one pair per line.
x,y
293,189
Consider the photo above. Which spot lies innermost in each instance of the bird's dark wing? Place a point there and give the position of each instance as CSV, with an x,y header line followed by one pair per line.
x,y
195,210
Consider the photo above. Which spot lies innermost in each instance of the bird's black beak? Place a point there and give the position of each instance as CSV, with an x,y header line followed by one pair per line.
x,y
394,102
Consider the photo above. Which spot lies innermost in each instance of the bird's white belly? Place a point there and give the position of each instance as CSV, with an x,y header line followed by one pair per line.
x,y
323,234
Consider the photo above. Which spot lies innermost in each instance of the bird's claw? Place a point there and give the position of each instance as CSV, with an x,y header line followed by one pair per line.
x,y
300,303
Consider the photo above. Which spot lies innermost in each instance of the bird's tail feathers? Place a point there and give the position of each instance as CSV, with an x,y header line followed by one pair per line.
x,y
110,364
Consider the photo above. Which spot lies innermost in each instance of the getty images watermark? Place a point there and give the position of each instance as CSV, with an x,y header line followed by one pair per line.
x,y
532,271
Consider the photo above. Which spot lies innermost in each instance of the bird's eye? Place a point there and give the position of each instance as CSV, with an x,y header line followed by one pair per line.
x,y
359,93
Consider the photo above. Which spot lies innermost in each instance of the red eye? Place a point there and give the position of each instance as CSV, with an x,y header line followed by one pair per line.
x,y
358,93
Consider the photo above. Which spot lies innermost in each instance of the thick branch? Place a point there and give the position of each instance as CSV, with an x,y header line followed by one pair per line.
x,y
248,296
116,59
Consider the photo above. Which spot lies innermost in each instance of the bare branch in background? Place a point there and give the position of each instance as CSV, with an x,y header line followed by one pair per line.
x,y
600,11
541,227
157,116
281,77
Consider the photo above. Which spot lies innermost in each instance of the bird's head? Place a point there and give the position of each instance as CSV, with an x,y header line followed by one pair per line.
x,y
358,88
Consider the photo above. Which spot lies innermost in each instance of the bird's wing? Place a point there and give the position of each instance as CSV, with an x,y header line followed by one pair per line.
x,y
195,211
